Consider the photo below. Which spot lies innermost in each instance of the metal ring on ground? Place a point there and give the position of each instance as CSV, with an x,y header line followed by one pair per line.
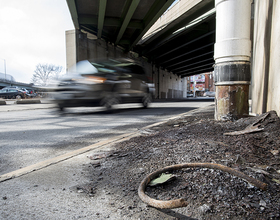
x,y
181,202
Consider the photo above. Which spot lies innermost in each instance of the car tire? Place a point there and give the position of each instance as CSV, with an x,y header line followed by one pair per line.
x,y
18,97
61,108
147,99
109,101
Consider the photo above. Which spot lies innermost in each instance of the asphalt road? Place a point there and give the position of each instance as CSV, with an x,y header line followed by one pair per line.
x,y
29,135
48,153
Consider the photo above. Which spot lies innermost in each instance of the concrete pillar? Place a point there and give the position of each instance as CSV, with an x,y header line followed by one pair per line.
x,y
232,54
71,53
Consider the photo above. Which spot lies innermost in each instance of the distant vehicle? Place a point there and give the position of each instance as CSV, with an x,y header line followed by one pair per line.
x,y
209,94
104,84
11,87
189,94
12,93
31,93
24,90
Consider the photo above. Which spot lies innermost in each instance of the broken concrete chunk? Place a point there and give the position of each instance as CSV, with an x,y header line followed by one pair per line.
x,y
274,152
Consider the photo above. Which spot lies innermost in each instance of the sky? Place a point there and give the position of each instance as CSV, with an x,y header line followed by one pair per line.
x,y
32,32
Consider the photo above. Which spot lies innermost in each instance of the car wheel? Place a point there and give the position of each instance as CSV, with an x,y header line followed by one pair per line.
x,y
61,108
109,102
147,99
18,97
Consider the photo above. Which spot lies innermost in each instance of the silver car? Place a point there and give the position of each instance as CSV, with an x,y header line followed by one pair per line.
x,y
104,84
209,94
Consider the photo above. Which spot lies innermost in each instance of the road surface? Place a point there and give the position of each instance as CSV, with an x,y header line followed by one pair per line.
x,y
33,135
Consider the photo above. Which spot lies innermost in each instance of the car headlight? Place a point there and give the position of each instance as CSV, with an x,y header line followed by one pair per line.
x,y
95,79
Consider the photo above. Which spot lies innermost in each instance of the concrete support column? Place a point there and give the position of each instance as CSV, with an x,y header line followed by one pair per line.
x,y
232,54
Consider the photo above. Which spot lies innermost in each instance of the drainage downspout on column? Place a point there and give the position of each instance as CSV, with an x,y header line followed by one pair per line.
x,y
232,54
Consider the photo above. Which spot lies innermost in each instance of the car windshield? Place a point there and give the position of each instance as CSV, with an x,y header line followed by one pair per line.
x,y
104,68
111,66
82,67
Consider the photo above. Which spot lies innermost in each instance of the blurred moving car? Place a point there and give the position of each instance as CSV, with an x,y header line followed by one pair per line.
x,y
209,94
11,93
104,84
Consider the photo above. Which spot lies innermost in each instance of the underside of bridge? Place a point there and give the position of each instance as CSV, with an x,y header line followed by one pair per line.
x,y
184,46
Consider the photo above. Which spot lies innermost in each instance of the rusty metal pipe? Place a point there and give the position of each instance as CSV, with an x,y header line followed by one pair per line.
x,y
181,202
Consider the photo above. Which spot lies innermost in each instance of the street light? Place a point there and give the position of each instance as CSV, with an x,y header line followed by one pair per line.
x,y
4,67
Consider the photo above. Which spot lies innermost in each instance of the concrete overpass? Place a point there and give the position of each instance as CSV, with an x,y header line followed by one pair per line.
x,y
4,83
182,47
8,80
206,32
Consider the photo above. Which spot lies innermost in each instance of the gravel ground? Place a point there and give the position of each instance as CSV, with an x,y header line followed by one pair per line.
x,y
211,194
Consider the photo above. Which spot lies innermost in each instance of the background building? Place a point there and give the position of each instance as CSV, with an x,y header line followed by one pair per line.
x,y
201,83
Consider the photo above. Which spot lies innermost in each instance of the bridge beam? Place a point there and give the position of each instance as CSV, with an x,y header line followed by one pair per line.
x,y
101,16
232,54
73,10
127,19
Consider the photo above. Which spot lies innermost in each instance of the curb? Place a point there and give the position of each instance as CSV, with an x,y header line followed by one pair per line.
x,y
55,160
28,101
2,102
189,113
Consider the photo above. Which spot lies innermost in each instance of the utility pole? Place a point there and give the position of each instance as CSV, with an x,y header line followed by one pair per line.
x,y
4,67
232,72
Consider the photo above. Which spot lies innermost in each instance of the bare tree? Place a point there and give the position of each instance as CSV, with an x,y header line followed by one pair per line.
x,y
45,72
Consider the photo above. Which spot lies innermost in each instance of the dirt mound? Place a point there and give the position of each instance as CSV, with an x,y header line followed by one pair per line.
x,y
211,194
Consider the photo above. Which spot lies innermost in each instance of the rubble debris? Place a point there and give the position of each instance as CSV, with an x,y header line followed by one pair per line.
x,y
251,128
177,203
86,188
98,156
247,130
204,208
228,196
276,181
274,152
